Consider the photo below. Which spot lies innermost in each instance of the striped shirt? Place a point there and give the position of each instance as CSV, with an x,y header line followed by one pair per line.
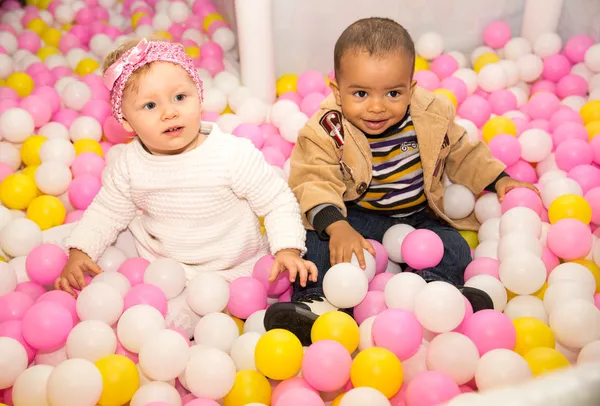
x,y
396,188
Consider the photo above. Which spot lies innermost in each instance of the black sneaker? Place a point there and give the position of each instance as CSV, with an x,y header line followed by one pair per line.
x,y
297,317
479,299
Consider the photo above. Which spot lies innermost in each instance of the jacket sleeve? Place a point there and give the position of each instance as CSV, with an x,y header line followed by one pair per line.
x,y
470,164
315,174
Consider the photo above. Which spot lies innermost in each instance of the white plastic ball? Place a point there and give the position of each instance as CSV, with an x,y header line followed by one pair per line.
x,y
492,77
214,100
574,102
459,202
6,66
107,4
207,293
523,273
564,291
30,386
111,259
91,340
530,68
115,279
559,187
547,44
591,58
575,323
594,81
590,353
281,111
13,361
164,356
178,12
550,174
364,396
582,70
453,354
345,285
430,45
393,238
369,264
8,278
144,31
54,130
27,61
492,287
469,76
19,237
156,391
193,34
519,243
365,333
238,97
64,14
255,323
206,78
571,271
53,178
594,95
119,21
536,145
225,38
242,351
487,207
511,71
470,128
100,301
16,125
228,122
439,307
460,58
75,95
101,45
74,56
214,382
168,275
46,17
526,306
63,390
18,265
521,95
292,126
9,42
137,324
54,61
480,50
161,22
516,48
254,111
501,368
216,330
520,219
227,82
85,127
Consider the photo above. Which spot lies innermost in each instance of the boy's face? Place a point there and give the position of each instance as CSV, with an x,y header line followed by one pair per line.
x,y
374,92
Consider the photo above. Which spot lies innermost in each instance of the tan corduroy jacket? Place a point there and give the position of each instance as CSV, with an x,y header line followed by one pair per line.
x,y
332,162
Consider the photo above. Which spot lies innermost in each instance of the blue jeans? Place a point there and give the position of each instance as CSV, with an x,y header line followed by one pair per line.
x,y
451,269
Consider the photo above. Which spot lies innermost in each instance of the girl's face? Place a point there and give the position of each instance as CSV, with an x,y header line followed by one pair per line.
x,y
164,110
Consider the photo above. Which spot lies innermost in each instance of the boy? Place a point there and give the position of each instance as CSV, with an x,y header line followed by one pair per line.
x,y
374,156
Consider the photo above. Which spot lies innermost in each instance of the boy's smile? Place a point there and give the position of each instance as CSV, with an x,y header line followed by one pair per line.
x,y
374,91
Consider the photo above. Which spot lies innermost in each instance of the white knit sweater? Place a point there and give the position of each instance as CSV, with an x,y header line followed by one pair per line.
x,y
200,208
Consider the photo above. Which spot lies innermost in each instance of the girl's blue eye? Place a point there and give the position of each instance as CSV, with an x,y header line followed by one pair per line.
x,y
149,106
180,97
361,94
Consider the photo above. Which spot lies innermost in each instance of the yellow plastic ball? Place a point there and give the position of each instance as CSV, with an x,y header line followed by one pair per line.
x,y
120,379
448,95
45,51
30,150
510,295
193,52
593,268
498,125
336,326
46,211
421,64
249,387
570,206
593,129
532,333
136,17
52,36
21,83
239,323
470,237
43,4
286,83
164,35
88,145
338,399
211,18
541,291
37,25
86,66
67,27
2,82
542,360
485,59
17,191
30,171
590,111
2,259
377,368
31,2
227,110
278,354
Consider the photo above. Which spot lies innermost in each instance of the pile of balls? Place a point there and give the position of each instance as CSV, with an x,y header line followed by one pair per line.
x,y
125,339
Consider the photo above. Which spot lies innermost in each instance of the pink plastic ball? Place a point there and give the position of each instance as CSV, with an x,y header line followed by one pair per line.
x,y
14,306
123,351
543,86
573,152
502,101
261,271
522,125
431,388
555,67
177,30
399,331
550,260
61,72
14,330
6,104
88,163
595,146
543,105
74,216
210,116
31,289
482,266
427,79
5,170
98,109
372,305
597,300
81,32
205,10
286,296
577,46
593,198
114,131
97,27
7,93
45,262
113,32
572,85
273,156
422,249
540,124
568,131
276,142
496,34
211,49
310,81
29,15
101,13
522,197
300,397
490,330
522,171
505,148
47,325
251,132
36,68
201,402
40,110
381,256
69,41
65,117
564,115
8,28
379,281
30,41
326,365
62,298
475,109
44,78
457,86
444,66
212,65
311,103
50,96
246,296
288,385
134,269
85,16
106,146
468,314
147,294
587,176
82,191
268,129
195,21
570,239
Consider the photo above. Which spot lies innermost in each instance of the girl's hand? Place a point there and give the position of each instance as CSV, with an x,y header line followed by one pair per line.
x,y
289,259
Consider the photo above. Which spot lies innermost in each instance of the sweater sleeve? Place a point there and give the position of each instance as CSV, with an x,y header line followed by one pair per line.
x,y
109,213
269,196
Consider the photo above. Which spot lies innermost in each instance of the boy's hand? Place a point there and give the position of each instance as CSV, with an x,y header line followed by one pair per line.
x,y
344,241
72,275
289,259
506,184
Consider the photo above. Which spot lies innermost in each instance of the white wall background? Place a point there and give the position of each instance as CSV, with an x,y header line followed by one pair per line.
x,y
306,30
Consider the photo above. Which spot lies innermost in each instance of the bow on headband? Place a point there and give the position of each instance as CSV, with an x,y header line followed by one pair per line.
x,y
135,56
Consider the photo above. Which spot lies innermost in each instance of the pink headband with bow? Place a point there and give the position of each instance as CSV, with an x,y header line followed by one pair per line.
x,y
145,52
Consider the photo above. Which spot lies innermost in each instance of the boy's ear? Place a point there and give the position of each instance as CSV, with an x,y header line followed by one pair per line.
x,y
336,92
413,85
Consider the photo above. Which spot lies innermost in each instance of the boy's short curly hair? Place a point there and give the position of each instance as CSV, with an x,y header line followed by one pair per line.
x,y
376,35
